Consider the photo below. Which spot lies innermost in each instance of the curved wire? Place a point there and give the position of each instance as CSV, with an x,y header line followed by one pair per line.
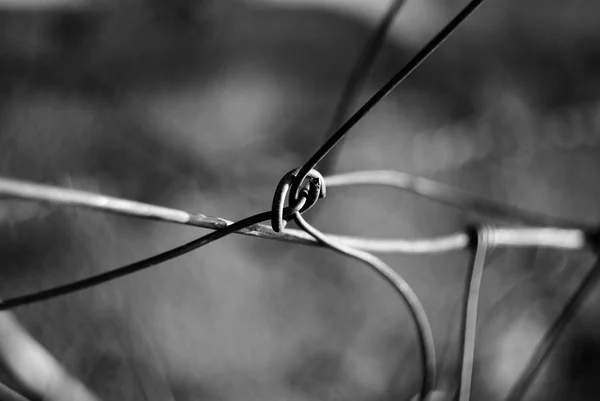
x,y
425,334
469,331
542,350
544,237
386,89
65,196
313,193
131,268
449,196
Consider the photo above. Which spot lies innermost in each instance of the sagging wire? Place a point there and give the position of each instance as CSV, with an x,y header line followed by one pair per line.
x,y
542,350
416,309
450,196
385,90
483,242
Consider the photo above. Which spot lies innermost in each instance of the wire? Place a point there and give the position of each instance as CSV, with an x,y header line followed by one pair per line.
x,y
361,70
79,285
425,334
447,195
63,196
542,351
470,313
387,88
560,238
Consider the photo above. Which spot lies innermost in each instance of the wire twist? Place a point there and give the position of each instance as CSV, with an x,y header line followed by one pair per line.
x,y
290,185
304,186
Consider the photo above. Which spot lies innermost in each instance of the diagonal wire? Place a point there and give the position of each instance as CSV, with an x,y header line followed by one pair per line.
x,y
470,313
388,87
425,335
361,71
542,351
39,296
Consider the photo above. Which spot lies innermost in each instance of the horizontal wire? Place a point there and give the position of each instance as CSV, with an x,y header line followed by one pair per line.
x,y
450,196
541,237
559,238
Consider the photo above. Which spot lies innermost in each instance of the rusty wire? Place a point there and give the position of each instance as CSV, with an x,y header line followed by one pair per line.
x,y
544,231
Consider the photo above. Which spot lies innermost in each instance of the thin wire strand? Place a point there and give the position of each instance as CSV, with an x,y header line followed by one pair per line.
x,y
63,196
469,331
449,196
387,88
425,334
131,268
559,238
361,71
542,350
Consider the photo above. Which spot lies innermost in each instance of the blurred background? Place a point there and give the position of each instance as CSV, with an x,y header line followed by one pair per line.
x,y
206,104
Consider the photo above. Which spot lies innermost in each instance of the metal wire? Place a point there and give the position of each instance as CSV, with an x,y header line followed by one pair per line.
x,y
360,73
559,238
542,350
469,331
65,196
467,202
425,52
131,268
564,234
315,191
425,334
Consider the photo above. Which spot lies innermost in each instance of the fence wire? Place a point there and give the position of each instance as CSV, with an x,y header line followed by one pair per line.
x,y
304,186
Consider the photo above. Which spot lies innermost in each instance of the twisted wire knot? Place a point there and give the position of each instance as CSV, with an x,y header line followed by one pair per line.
x,y
303,195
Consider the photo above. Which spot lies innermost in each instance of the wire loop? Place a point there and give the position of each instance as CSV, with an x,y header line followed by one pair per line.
x,y
313,190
